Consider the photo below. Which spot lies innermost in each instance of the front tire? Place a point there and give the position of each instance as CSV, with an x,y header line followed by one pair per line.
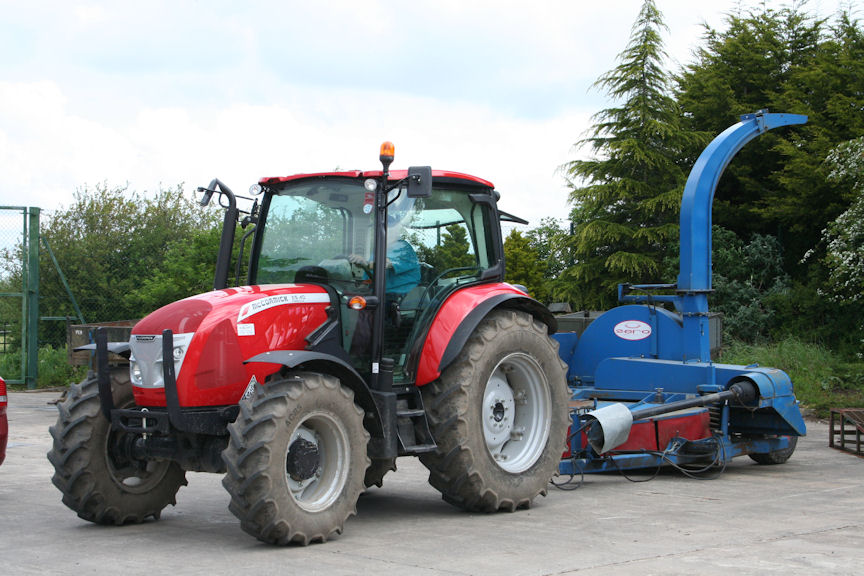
x,y
499,416
96,479
296,459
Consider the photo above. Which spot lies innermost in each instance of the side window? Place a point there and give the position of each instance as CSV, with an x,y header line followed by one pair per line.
x,y
446,244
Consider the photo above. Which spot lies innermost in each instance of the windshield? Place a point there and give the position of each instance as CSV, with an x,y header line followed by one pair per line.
x,y
323,231
312,229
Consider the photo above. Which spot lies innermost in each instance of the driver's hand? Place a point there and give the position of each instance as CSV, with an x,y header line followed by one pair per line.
x,y
358,260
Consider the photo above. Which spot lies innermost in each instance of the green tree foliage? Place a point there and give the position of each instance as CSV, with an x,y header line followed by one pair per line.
x,y
746,277
844,237
625,201
453,252
125,254
187,269
824,307
549,241
552,245
786,61
523,265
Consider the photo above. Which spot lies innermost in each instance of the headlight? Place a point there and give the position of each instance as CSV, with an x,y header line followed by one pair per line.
x,y
135,372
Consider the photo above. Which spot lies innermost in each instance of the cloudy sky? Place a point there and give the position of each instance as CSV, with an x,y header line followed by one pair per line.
x,y
159,93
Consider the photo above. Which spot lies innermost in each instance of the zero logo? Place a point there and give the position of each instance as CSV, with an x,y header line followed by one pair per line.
x,y
632,330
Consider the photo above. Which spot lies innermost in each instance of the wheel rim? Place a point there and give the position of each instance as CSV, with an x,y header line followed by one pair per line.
x,y
132,476
516,412
316,461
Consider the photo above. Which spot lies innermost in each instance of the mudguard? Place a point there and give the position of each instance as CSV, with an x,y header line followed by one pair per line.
x,y
326,364
458,318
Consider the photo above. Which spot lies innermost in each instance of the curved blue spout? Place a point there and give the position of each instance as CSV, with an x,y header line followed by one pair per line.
x,y
695,266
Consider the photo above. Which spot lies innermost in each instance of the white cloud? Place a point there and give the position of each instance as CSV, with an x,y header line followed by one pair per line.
x,y
168,92
90,14
46,151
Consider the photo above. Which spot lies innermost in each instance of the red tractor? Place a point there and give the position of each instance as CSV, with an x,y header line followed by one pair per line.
x,y
375,324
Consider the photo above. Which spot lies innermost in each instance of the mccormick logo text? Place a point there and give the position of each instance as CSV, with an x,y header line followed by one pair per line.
x,y
262,304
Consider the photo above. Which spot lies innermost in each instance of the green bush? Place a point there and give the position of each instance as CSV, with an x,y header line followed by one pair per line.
x,y
54,367
10,365
747,277
55,370
822,379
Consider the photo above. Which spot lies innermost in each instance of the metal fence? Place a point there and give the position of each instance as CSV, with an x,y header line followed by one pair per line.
x,y
19,294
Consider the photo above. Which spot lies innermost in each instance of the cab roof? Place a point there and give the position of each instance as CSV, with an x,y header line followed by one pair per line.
x,y
439,176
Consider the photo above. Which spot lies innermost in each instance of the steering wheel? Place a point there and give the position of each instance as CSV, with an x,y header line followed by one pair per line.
x,y
449,271
429,292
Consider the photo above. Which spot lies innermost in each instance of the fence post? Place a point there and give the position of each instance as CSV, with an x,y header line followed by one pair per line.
x,y
32,297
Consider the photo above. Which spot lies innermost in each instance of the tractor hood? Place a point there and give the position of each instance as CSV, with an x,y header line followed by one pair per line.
x,y
215,333
238,304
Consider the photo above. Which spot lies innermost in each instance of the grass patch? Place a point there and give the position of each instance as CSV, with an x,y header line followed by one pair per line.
x,y
822,379
54,368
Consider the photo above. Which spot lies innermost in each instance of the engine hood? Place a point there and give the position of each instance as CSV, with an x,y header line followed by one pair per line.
x,y
215,333
239,304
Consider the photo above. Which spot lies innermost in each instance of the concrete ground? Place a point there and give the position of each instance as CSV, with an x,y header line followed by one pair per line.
x,y
804,517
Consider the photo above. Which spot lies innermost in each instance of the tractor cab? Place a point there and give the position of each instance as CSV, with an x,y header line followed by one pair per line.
x,y
325,229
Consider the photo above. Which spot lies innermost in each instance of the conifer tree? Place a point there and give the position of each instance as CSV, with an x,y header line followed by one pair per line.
x,y
626,199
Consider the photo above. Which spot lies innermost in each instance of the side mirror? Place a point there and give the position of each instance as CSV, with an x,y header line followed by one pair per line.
x,y
419,181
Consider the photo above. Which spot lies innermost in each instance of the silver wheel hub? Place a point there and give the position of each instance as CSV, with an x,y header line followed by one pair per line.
x,y
516,412
316,461
498,412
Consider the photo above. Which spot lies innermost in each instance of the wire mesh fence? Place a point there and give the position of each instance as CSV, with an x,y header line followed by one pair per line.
x,y
12,291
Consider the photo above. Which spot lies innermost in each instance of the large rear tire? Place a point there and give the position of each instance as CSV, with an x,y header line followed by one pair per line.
x,y
296,459
499,416
96,479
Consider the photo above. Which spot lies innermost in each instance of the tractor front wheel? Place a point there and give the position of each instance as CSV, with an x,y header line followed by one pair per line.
x,y
499,416
296,459
92,467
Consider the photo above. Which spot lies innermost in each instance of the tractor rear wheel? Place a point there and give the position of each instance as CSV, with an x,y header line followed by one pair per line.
x,y
499,416
92,468
776,456
296,459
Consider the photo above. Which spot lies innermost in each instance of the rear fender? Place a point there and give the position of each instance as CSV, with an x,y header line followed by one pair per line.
x,y
335,366
460,315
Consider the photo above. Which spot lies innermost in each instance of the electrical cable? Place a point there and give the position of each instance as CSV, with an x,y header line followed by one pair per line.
x,y
696,473
568,485
719,459
624,474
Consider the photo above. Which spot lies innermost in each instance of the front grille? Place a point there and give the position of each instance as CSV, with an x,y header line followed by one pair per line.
x,y
147,356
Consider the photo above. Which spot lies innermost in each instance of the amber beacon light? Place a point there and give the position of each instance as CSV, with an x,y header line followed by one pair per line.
x,y
388,152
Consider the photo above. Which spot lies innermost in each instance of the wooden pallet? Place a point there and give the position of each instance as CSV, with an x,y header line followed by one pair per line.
x,y
847,430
